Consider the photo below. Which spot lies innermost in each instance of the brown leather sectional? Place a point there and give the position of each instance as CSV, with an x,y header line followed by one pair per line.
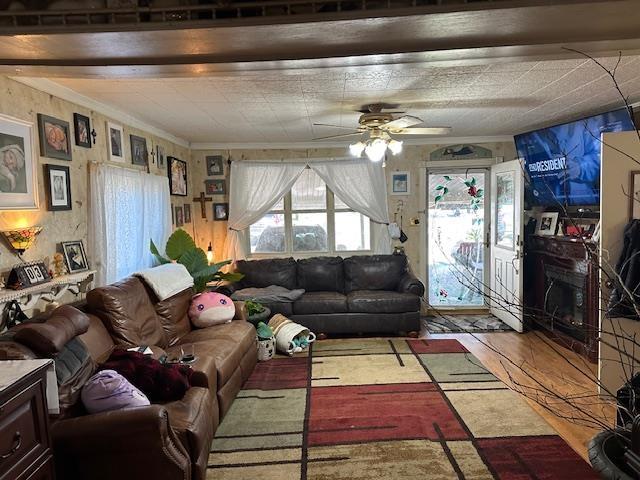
x,y
162,441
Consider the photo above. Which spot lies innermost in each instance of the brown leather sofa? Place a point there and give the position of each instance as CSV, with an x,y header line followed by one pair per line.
x,y
162,441
359,294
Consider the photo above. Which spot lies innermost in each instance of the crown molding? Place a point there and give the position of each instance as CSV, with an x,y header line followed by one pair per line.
x,y
317,145
70,95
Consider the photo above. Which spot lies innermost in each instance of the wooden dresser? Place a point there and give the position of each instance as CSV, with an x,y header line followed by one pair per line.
x,y
25,444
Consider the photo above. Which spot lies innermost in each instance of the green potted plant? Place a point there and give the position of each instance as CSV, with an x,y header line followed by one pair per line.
x,y
181,248
257,312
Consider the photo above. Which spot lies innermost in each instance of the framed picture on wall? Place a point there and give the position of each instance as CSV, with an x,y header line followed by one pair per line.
x,y
179,217
400,183
18,160
187,213
221,212
54,137
82,130
177,176
215,187
115,142
75,256
139,152
160,156
215,165
58,187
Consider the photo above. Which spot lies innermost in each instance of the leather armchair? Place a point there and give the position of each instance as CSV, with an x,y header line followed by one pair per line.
x,y
131,443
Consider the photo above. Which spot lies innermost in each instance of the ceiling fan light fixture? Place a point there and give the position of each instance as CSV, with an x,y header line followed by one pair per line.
x,y
356,149
395,146
376,149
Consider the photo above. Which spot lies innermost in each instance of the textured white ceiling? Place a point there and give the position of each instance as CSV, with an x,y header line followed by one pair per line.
x,y
280,107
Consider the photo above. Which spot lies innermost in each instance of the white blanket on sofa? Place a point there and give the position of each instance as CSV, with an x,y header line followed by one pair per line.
x,y
167,280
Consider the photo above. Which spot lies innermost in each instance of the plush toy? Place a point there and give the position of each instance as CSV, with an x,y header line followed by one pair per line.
x,y
210,308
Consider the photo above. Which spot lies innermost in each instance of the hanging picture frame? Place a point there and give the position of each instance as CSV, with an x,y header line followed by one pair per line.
x,y
115,142
58,189
139,152
54,137
221,212
18,160
401,183
179,217
216,186
82,130
215,165
177,176
547,223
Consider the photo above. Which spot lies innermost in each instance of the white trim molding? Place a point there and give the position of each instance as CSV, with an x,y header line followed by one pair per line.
x,y
65,93
310,145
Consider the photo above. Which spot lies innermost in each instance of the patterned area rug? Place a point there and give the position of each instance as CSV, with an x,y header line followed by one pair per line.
x,y
464,323
386,409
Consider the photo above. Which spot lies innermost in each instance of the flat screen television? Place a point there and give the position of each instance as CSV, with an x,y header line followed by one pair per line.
x,y
563,162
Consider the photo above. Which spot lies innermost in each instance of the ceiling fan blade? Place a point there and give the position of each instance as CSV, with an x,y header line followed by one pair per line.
x,y
338,136
403,122
422,131
330,125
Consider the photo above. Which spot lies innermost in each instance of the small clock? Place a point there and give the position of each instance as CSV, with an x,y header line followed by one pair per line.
x,y
26,275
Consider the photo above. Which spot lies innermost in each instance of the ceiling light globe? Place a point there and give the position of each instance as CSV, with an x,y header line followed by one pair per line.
x,y
376,149
395,146
356,149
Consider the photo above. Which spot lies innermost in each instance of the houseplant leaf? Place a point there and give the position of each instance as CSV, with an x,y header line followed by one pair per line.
x,y
194,260
179,243
154,251
209,270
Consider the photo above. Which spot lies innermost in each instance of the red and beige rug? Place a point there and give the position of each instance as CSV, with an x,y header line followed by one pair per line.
x,y
386,409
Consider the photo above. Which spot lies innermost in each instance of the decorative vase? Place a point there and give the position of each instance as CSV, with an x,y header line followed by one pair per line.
x,y
266,349
260,317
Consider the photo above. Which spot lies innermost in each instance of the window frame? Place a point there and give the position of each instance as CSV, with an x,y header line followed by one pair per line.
x,y
288,212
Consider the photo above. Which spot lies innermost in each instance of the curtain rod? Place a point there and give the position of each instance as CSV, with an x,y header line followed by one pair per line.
x,y
294,160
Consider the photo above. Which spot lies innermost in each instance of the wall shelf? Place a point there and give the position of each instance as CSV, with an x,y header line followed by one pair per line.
x,y
75,283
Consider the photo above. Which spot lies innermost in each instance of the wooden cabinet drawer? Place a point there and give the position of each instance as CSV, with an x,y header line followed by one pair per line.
x,y
23,431
44,471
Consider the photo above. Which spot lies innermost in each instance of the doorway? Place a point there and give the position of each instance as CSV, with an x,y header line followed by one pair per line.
x,y
457,238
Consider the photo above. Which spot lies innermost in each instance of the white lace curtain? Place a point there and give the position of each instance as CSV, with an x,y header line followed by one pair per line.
x,y
255,189
257,186
127,210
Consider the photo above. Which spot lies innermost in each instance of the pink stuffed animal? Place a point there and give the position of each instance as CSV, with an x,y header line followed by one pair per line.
x,y
210,308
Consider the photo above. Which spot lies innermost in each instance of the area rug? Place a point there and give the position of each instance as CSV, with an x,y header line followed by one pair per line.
x,y
443,323
386,409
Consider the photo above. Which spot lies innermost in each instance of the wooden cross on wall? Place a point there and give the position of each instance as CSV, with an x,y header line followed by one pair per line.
x,y
202,200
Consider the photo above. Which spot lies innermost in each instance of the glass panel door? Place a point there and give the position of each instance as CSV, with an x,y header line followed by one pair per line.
x,y
456,236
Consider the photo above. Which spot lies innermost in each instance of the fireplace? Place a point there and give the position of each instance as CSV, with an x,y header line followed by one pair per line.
x,y
561,274
564,304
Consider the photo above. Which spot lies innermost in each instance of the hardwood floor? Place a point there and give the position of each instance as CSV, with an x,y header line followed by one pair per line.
x,y
533,364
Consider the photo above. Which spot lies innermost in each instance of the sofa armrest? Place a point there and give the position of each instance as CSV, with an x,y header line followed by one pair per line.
x,y
205,374
409,283
100,445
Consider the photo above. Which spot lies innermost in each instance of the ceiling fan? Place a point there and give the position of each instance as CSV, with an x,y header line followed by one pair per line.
x,y
378,125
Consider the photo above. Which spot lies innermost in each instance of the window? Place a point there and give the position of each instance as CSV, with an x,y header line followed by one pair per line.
x,y
310,219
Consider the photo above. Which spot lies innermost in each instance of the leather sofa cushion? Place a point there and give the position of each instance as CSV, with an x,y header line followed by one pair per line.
x,y
320,302
381,301
226,344
128,312
174,317
50,337
262,273
97,340
285,308
374,272
321,274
